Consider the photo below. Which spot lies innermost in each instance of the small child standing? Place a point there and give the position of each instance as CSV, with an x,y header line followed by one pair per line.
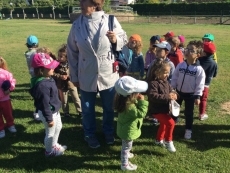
x,y
159,95
64,85
131,108
182,43
209,38
151,53
45,94
210,68
7,83
136,68
175,54
188,79
32,45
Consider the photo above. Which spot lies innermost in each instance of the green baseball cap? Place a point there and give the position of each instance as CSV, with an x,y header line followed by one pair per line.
x,y
208,36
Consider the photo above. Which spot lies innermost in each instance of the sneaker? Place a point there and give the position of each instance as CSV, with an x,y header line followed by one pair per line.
x,y
2,134
36,116
58,150
203,117
109,139
12,129
160,143
130,155
188,134
92,141
129,167
170,147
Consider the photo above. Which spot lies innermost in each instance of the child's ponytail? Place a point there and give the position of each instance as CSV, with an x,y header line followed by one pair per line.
x,y
3,64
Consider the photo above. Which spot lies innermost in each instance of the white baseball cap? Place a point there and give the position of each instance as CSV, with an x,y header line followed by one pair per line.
x,y
127,85
163,45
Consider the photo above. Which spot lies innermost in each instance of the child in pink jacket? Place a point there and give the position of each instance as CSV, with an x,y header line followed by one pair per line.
x,y
7,84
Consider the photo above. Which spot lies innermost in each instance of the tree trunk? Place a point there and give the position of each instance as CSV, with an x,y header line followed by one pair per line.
x,y
68,11
11,14
37,12
53,12
23,13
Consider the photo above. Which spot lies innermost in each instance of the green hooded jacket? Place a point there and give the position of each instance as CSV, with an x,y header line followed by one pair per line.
x,y
130,121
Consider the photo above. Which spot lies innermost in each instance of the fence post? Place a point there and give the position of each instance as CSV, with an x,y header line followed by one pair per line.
x,y
171,18
195,18
221,17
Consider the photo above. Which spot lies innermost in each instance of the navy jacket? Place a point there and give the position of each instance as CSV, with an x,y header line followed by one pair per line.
x,y
45,94
210,68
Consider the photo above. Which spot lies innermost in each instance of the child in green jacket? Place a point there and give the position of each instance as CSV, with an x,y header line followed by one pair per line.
x,y
130,116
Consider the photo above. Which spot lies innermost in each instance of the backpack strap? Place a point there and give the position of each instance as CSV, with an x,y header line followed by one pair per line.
x,y
111,22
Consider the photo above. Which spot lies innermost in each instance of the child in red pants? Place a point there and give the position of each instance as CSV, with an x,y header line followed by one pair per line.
x,y
7,84
159,95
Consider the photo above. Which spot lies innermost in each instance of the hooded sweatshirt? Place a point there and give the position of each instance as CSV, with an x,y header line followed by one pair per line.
x,y
45,94
189,79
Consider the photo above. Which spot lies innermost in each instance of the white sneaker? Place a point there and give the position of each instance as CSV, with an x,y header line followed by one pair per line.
x,y
36,116
188,134
203,117
130,155
129,167
2,134
58,150
160,143
170,147
12,129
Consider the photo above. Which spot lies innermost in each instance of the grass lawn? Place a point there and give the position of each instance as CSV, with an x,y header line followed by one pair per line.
x,y
208,151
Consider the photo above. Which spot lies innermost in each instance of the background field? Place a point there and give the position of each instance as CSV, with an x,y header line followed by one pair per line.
x,y
208,151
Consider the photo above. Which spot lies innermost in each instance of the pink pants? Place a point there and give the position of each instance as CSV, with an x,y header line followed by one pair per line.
x,y
165,130
203,101
6,113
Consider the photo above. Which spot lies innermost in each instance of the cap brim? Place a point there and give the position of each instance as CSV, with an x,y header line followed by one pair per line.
x,y
52,65
142,86
160,45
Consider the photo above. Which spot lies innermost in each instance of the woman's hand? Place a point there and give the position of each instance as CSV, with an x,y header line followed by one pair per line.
x,y
51,124
112,36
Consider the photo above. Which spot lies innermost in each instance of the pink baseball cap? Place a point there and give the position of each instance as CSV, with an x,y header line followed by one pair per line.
x,y
181,38
44,60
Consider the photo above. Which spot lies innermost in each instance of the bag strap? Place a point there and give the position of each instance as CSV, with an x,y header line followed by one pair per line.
x,y
111,22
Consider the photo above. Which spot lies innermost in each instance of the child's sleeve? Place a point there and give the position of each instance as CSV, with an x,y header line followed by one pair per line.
x,y
215,72
147,61
12,81
141,108
141,64
175,76
154,96
200,81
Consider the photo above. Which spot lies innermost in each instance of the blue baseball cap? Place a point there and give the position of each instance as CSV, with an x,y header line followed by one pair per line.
x,y
32,40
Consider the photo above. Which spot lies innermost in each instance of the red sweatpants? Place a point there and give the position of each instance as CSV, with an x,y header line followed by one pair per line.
x,y
203,101
165,130
6,113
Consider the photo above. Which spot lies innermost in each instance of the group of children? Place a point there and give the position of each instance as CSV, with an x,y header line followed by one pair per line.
x,y
173,72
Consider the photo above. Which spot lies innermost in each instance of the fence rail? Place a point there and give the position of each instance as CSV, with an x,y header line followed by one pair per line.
x,y
132,18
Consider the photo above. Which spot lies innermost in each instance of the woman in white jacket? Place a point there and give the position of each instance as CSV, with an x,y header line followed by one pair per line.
x,y
91,65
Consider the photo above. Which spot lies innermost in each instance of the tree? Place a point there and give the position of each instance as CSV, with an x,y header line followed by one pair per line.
x,y
69,3
55,4
36,5
1,6
107,7
10,6
23,5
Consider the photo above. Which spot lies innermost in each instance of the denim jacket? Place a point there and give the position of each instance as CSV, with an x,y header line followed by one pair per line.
x,y
137,64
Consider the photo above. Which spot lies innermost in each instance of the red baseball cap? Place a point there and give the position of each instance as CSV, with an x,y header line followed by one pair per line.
x,y
209,47
169,34
44,60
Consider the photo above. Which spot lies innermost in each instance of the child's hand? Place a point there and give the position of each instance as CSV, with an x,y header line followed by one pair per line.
x,y
64,77
51,124
140,97
172,96
7,92
197,101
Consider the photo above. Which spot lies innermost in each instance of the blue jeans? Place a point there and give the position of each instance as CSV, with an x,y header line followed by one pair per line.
x,y
88,100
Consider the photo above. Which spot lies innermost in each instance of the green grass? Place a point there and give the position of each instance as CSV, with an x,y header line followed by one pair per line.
x,y
207,152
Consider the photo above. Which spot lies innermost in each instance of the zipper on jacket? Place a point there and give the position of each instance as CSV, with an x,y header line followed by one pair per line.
x,y
184,77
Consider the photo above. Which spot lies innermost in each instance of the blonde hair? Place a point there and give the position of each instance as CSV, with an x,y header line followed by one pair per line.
x,y
3,64
47,51
174,41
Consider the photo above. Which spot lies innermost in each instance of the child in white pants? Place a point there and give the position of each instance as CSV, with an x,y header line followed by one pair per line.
x,y
45,94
